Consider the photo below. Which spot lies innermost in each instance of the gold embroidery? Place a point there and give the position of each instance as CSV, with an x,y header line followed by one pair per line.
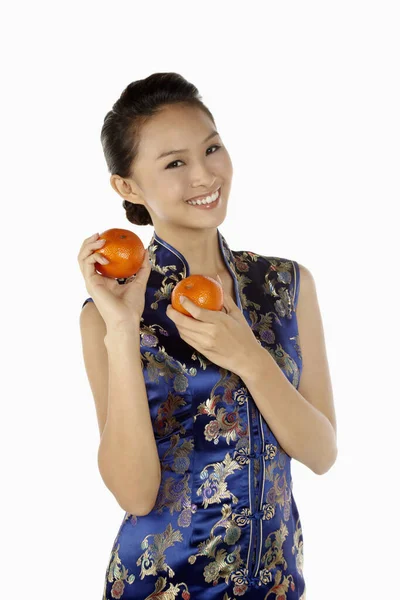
x,y
224,564
153,558
163,364
280,492
274,553
204,362
226,423
165,421
116,574
297,548
283,269
286,363
214,489
170,593
174,492
148,336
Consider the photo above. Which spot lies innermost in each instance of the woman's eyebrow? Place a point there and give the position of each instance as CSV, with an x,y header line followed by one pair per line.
x,y
212,134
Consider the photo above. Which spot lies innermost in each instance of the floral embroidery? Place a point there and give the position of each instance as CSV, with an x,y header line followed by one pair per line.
x,y
297,548
174,492
280,272
116,574
223,564
214,489
170,593
280,492
227,421
246,301
153,558
155,264
262,325
274,552
204,362
287,363
148,337
163,364
166,421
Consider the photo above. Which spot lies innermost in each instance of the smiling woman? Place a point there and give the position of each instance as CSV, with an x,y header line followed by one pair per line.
x,y
128,127
200,415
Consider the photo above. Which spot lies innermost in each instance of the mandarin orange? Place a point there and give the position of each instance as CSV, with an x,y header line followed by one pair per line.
x,y
204,291
125,251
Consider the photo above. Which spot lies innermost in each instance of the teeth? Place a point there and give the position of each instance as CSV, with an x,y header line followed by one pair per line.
x,y
206,200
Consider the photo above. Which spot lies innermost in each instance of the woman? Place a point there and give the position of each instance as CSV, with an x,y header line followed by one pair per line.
x,y
200,416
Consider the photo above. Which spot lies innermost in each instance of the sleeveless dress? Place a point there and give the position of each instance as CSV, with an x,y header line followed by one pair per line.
x,y
225,525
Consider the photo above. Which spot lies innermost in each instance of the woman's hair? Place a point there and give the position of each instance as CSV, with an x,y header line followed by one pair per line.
x,y
120,134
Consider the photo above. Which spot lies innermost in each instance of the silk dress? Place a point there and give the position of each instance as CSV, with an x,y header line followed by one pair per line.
x,y
225,524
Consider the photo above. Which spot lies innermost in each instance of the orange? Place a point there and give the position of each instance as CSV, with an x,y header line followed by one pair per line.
x,y
204,291
125,251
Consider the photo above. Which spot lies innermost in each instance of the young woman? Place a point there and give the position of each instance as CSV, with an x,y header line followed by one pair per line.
x,y
200,416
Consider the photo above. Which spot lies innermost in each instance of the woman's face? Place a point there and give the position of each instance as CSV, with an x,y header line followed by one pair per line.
x,y
163,184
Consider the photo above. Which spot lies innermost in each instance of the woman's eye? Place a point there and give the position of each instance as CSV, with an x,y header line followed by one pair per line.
x,y
173,163
215,146
176,161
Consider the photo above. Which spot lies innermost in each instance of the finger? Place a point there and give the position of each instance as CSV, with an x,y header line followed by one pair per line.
x,y
88,264
88,250
92,238
89,246
189,326
199,313
142,275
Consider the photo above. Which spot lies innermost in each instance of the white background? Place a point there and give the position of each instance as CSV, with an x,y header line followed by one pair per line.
x,y
306,98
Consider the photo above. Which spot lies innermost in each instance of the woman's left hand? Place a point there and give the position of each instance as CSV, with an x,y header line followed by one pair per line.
x,y
225,338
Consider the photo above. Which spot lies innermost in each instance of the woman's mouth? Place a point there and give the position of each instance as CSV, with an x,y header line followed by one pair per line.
x,y
206,203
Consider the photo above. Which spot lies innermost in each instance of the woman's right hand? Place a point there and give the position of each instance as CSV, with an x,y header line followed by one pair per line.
x,y
121,306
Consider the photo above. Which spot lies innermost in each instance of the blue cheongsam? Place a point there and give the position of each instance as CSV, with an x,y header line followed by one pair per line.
x,y
225,524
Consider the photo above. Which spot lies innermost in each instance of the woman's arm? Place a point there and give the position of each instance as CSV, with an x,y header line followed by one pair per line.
x,y
303,420
127,457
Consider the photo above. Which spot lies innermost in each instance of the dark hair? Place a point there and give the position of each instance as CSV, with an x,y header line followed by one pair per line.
x,y
120,134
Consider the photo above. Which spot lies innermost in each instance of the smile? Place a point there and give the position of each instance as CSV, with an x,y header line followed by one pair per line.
x,y
207,201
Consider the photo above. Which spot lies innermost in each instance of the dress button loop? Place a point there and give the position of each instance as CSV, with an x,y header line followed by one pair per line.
x,y
257,515
257,454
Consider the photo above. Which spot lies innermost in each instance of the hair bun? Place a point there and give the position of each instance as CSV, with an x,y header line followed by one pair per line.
x,y
137,213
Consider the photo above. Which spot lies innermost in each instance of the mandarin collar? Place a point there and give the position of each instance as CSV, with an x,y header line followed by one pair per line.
x,y
169,262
